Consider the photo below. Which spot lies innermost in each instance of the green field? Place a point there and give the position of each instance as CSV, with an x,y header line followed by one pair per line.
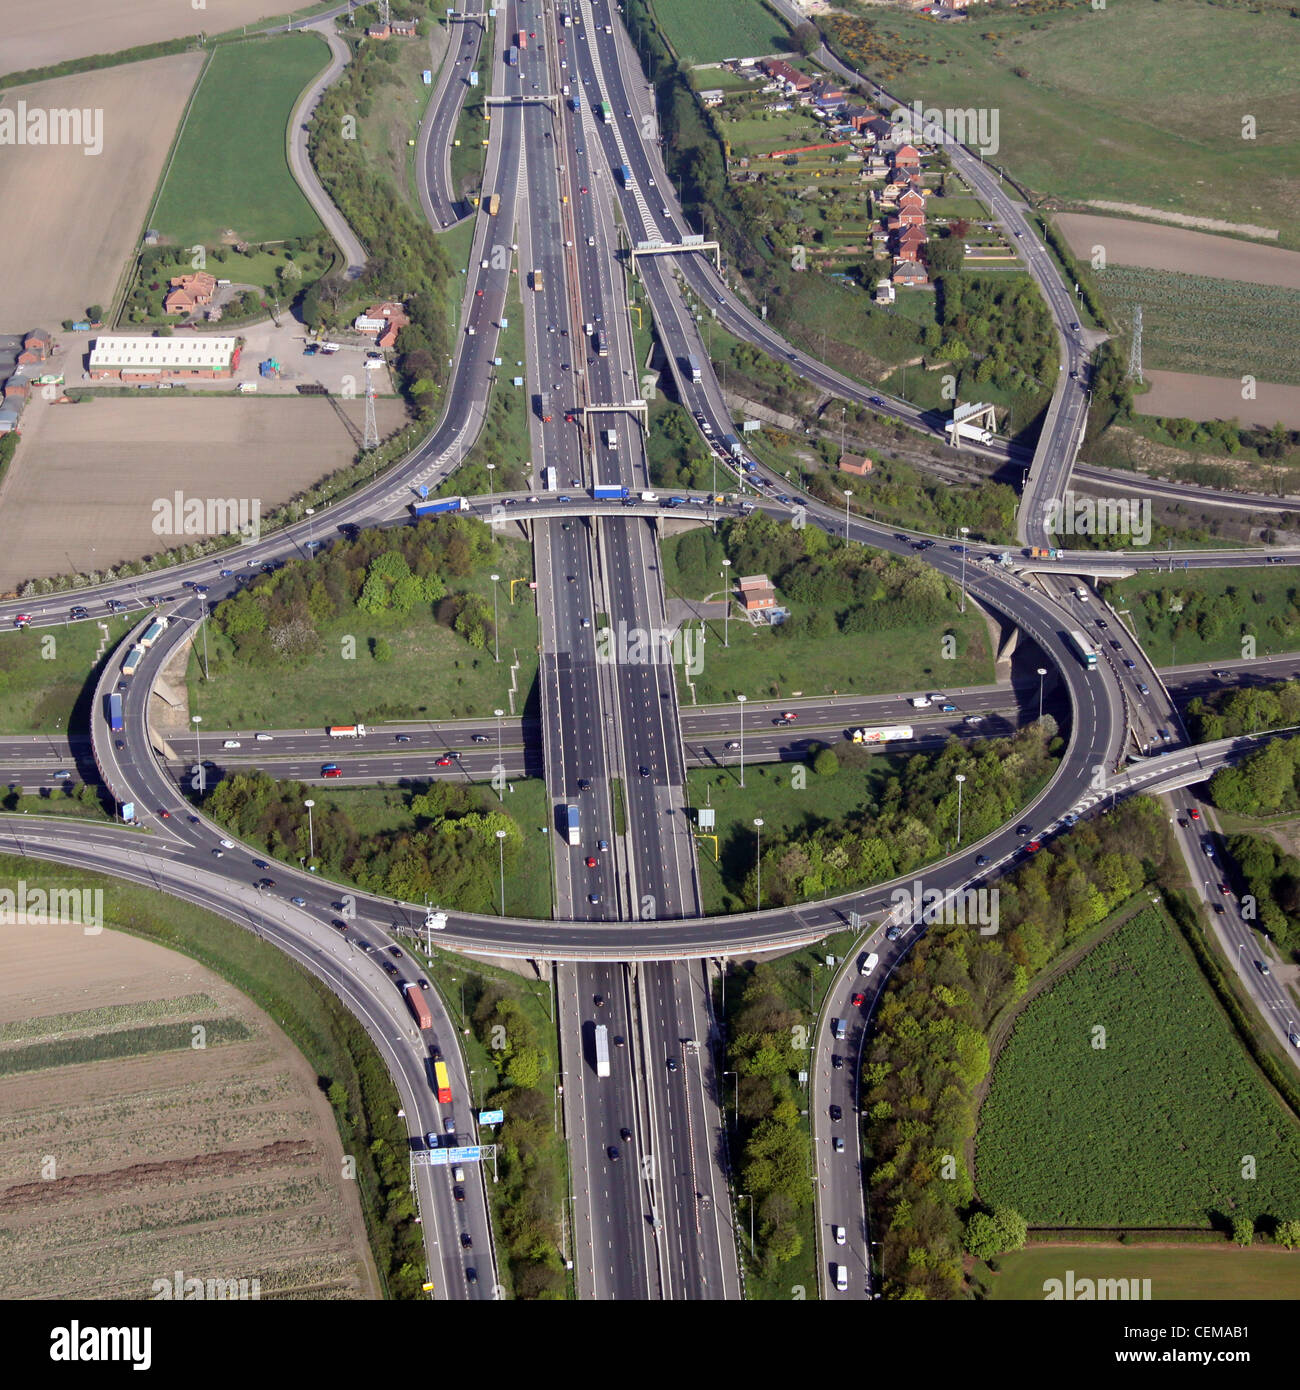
x,y
1176,1272
229,170
433,673
1152,1128
1191,323
702,33
1217,611
1109,103
47,674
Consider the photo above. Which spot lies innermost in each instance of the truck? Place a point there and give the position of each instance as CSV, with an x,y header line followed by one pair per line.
x,y
625,173
346,731
1083,649
544,406
115,712
611,439
521,40
607,115
153,632
693,367
1036,552
649,496
433,505
609,490
415,1002
537,280
886,733
442,1082
732,445
602,1050
574,825
512,58
920,702
133,659
493,204
956,433
601,343
550,481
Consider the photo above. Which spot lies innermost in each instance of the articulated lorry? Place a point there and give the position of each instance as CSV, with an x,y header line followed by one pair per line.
x,y
433,505
416,1001
609,490
346,731
573,823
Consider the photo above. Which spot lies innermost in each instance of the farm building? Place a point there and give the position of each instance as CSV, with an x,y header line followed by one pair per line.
x,y
383,321
134,358
37,346
189,292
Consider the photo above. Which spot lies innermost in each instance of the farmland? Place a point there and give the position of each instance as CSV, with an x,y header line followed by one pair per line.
x,y
221,1161
70,260
1206,615
107,460
1064,88
230,172
1123,1098
721,29
1186,396
1191,323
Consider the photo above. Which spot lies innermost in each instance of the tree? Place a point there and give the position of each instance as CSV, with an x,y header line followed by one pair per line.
x,y
381,651
991,1233
808,39
825,763
1243,1230
1288,1233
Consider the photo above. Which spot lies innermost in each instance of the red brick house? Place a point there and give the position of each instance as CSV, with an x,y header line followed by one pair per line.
x,y
37,346
907,157
757,593
909,273
385,321
857,464
189,292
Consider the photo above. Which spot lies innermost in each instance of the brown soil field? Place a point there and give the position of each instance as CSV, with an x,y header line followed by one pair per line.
x,y
1190,397
221,1162
72,220
37,36
1175,248
79,494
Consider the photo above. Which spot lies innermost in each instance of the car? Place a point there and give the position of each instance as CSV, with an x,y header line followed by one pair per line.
x,y
401,738
119,743
331,770
732,746
232,743
1218,908
218,853
789,716
859,1000
22,619
1164,735
949,709
458,1193
893,933
591,861
1182,820
877,400
227,844
1023,829
603,846
620,1042
431,1140
471,1275
836,1113
1194,813
625,1135
1294,1039
837,1144
339,925
651,182
1142,686
1262,967
593,899
480,738
270,883
444,761
1075,327
200,588
265,738
1033,846
166,815
1114,645
599,1001
837,1061
974,720
1129,662
644,771
672,1064
613,1153
298,902
981,860
1102,623
584,784
583,189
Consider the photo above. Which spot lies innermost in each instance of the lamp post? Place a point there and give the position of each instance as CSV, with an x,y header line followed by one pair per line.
x,y
501,861
495,630
848,492
196,720
960,778
740,700
1042,671
311,833
965,531
501,772
758,863
726,613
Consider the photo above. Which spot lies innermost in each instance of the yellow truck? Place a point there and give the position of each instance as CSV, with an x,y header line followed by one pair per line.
x,y
537,280
493,204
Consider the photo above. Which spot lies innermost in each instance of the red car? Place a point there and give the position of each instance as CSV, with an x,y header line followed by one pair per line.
x,y
22,619
859,1000
1033,846
1224,889
166,815
478,294
1194,813
584,188
591,861
444,761
789,717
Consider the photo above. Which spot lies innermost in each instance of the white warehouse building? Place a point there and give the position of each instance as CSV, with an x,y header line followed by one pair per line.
x,y
137,357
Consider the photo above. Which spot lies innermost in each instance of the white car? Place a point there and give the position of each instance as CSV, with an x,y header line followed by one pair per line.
x,y
227,844
231,743
838,1232
264,738
591,241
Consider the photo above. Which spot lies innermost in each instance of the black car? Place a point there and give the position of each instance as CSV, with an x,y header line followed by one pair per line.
x,y
837,1061
836,1113
1023,830
981,859
672,1064
625,1135
466,1241
458,1193
613,1153
471,1276
584,784
645,771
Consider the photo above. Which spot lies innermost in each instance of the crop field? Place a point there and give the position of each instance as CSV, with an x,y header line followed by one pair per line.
x,y
109,459
721,29
230,171
1204,616
1219,327
38,36
1188,396
1190,1272
1123,1098
221,1161
1065,87
70,259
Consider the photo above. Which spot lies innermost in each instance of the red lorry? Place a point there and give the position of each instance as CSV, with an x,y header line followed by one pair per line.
x,y
418,1007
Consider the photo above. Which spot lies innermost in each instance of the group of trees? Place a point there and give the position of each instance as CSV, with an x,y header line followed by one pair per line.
x,y
446,853
929,1051
382,574
1227,713
530,1155
1211,616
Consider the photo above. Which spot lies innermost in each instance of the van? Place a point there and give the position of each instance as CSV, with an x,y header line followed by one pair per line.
x,y
840,1029
920,702
842,1278
458,1174
868,963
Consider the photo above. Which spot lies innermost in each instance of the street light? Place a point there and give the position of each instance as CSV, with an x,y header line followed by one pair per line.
x,y
848,492
501,860
495,631
758,863
960,778
1042,671
965,531
740,700
196,720
311,836
726,613
501,786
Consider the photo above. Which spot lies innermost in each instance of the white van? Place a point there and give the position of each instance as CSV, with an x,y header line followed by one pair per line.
x,y
842,1278
920,702
868,963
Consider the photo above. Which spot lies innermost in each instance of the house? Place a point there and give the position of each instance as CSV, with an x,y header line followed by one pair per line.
x,y
907,247
907,157
884,292
757,593
878,127
909,273
394,29
713,97
911,200
134,357
37,346
189,292
781,71
385,321
856,464
826,95
876,168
